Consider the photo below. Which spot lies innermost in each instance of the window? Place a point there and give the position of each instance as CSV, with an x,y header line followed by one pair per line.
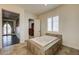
x,y
56,23
53,24
7,39
50,24
7,28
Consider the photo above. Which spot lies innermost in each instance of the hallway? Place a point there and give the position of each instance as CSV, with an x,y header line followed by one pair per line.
x,y
10,22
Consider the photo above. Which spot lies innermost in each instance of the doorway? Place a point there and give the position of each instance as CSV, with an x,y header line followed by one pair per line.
x,y
10,22
31,28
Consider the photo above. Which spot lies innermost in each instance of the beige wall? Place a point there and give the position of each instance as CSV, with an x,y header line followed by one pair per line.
x,y
24,16
26,25
68,23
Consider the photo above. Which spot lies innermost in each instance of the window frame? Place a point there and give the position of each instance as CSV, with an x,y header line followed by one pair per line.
x,y
52,17
7,28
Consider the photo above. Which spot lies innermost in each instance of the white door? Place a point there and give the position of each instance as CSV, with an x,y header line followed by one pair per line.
x,y
36,28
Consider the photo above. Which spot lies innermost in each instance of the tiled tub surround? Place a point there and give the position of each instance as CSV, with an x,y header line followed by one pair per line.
x,y
53,49
48,44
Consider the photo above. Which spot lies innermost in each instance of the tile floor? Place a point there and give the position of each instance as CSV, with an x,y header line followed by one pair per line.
x,y
21,49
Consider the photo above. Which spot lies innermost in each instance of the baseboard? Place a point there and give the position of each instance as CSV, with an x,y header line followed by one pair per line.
x,y
71,47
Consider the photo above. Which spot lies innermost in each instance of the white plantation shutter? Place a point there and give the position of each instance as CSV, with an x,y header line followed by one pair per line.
x,y
53,24
50,24
56,23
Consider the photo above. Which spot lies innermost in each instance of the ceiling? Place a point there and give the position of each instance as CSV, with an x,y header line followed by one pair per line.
x,y
38,9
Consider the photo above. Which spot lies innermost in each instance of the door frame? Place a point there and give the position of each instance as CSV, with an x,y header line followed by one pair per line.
x,y
17,18
29,26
